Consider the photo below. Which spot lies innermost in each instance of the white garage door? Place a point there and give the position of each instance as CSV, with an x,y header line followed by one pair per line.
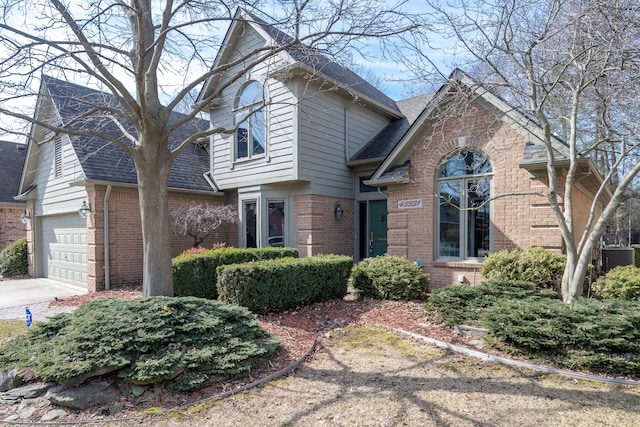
x,y
64,247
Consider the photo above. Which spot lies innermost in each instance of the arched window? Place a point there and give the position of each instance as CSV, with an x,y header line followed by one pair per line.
x,y
249,116
464,217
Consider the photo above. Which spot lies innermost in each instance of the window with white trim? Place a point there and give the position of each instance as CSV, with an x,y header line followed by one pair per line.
x,y
464,227
249,115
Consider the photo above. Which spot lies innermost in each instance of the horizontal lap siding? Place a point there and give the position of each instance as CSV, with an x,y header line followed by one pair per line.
x,y
55,195
277,165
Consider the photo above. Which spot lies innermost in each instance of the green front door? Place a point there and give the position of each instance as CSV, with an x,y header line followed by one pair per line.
x,y
377,227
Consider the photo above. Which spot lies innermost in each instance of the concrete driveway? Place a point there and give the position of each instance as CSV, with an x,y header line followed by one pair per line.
x,y
17,295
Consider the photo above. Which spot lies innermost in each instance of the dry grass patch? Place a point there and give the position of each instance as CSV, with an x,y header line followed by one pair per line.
x,y
363,376
10,329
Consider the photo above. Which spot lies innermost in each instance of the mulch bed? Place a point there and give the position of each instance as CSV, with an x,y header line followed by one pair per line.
x,y
297,329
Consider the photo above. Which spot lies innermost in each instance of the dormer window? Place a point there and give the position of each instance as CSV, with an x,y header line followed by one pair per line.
x,y
250,137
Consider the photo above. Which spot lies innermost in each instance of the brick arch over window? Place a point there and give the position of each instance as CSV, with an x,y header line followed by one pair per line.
x,y
463,225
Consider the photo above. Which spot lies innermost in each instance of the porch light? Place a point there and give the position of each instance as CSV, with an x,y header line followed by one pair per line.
x,y
338,211
85,210
24,218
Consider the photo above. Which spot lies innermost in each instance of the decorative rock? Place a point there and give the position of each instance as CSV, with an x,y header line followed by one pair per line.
x,y
27,412
137,390
30,391
52,415
13,417
10,379
116,408
91,395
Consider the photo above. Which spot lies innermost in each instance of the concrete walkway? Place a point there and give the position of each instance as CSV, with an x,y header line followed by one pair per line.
x,y
35,294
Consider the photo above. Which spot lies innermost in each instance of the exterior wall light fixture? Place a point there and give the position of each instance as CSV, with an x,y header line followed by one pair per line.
x,y
85,210
338,211
24,218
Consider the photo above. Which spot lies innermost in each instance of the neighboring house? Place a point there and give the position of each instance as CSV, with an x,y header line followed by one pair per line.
x,y
12,157
324,162
62,173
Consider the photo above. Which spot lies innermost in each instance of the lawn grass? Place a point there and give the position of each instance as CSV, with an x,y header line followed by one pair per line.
x,y
10,329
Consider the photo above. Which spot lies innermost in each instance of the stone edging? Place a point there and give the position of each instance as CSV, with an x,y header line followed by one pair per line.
x,y
510,362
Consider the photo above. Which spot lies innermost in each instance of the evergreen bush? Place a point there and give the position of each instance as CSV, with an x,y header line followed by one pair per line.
x,y
390,277
194,274
13,259
620,282
190,341
535,265
599,336
462,304
286,283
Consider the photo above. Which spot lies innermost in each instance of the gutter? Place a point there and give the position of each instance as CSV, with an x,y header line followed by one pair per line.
x,y
107,280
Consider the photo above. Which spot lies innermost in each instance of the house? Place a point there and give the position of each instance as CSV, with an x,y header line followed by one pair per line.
x,y
350,171
314,158
12,157
64,173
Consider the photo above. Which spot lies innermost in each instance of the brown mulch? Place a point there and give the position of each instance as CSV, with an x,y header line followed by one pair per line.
x,y
297,329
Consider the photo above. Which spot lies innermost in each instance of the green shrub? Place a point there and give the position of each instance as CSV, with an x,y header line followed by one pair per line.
x,y
462,304
190,341
620,282
282,284
13,259
194,274
390,277
636,255
535,265
599,336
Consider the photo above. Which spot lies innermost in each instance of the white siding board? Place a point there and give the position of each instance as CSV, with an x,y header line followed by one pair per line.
x,y
55,195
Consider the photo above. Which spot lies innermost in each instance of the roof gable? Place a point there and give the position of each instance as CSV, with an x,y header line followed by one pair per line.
x,y
399,155
102,161
296,55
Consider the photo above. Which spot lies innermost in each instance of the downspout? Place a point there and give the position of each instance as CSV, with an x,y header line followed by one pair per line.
x,y
107,282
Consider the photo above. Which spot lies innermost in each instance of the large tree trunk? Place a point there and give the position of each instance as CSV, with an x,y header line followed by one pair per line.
x,y
153,176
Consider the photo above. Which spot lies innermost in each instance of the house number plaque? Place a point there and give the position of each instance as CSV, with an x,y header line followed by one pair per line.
x,y
410,204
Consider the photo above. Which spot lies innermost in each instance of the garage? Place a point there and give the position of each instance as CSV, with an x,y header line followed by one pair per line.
x,y
64,248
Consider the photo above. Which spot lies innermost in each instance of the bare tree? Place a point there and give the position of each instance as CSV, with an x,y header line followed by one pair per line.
x,y
199,220
150,56
573,67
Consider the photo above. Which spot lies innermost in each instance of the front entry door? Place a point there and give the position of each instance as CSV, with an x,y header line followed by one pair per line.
x,y
377,227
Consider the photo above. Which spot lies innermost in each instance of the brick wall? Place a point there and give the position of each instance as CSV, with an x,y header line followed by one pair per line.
x,y
125,236
317,231
519,220
11,228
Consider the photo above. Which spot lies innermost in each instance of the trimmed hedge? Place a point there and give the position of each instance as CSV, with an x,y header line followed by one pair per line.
x,y
13,259
534,265
281,284
390,277
195,274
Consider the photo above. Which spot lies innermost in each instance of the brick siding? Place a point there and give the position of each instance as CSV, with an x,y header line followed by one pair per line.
x,y
519,220
11,228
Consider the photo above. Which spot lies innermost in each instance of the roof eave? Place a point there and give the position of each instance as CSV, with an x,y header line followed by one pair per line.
x,y
291,68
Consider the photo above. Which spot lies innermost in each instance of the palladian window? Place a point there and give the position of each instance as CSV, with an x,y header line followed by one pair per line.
x,y
464,217
249,116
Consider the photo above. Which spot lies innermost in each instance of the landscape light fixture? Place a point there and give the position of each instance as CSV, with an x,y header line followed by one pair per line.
x,y
338,211
85,210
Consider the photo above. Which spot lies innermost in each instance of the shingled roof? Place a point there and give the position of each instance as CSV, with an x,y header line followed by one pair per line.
x,y
103,161
382,144
12,157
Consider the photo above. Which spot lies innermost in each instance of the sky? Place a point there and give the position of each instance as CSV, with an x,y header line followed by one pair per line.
x,y
390,72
